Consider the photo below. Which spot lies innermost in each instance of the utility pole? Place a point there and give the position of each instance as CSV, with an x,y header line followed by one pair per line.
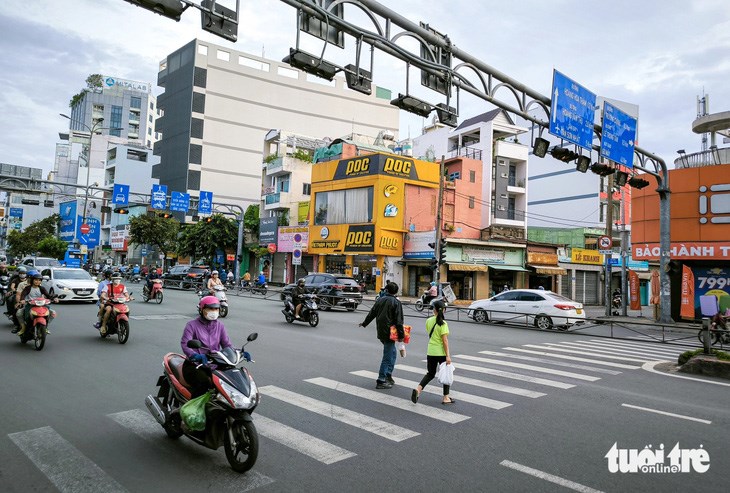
x,y
439,214
609,233
624,255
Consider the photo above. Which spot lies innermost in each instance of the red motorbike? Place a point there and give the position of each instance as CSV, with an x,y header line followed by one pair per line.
x,y
118,322
156,293
37,322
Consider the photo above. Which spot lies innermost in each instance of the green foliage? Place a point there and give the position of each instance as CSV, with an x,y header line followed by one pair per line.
x,y
259,251
27,242
283,219
50,246
154,230
251,219
687,355
203,239
94,82
302,155
270,158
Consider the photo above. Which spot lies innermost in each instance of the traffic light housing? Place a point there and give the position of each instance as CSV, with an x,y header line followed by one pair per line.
x,y
172,9
563,154
620,178
638,183
434,264
240,258
601,169
121,210
209,219
442,251
165,215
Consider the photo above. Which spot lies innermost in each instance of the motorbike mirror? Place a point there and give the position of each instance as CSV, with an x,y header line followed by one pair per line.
x,y
46,278
252,337
194,344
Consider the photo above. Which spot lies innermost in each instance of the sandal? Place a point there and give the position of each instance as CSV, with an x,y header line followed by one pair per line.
x,y
452,401
414,396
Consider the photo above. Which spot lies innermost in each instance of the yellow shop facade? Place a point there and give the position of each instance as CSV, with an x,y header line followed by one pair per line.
x,y
357,222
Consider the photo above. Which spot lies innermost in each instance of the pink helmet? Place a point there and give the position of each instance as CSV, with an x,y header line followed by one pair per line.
x,y
208,302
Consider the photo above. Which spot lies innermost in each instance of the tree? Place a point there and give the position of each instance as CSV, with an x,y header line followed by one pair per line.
x,y
94,82
203,239
52,247
27,242
251,219
151,229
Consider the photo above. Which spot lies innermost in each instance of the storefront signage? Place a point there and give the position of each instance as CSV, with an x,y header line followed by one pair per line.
x,y
267,230
390,210
390,241
287,239
685,251
303,213
376,164
390,190
355,238
584,256
416,245
542,258
476,254
326,244
638,265
360,238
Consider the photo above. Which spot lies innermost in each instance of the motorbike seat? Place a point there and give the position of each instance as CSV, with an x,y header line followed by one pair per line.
x,y
173,365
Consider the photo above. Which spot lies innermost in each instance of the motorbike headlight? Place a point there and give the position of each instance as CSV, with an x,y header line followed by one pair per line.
x,y
236,398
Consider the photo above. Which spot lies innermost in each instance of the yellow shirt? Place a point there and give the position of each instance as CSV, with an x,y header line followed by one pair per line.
x,y
436,342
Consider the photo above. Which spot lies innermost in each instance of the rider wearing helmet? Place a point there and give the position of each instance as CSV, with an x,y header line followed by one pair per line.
x,y
298,296
214,281
31,290
431,294
20,275
114,290
151,276
99,290
211,332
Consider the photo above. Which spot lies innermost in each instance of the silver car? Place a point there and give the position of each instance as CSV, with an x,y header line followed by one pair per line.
x,y
70,284
538,307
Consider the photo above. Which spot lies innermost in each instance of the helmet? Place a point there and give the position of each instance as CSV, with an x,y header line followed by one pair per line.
x,y
301,281
208,302
214,273
433,283
116,275
36,275
32,273
108,273
22,270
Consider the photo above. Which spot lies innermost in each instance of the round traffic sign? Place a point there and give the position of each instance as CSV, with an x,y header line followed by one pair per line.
x,y
297,237
297,253
604,242
85,229
271,247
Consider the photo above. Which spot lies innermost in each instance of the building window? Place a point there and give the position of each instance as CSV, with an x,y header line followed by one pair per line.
x,y
455,176
196,128
472,176
223,55
133,116
282,183
512,180
149,143
511,208
135,102
152,105
149,131
344,206
198,102
133,130
471,202
307,189
202,50
196,154
200,77
116,121
150,118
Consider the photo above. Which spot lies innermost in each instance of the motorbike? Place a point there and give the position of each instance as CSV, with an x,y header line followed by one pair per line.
x,y
421,302
259,288
4,285
616,304
118,322
156,292
220,293
719,332
228,413
308,312
37,322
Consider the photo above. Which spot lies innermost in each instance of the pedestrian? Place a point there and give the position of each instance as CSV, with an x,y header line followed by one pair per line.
x,y
437,352
387,311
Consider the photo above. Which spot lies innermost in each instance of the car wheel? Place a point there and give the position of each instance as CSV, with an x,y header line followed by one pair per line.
x,y
543,322
481,316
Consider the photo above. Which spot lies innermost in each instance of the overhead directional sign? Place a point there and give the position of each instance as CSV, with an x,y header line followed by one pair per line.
x,y
158,200
618,136
572,111
120,195
179,201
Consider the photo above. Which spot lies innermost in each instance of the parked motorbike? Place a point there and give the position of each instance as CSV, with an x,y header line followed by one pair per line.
x,y
616,304
220,293
308,312
38,318
421,302
4,285
156,292
118,322
228,413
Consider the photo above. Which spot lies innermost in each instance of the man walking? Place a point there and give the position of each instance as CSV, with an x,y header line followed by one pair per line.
x,y
386,311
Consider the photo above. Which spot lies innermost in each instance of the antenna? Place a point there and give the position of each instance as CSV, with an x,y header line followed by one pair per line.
x,y
703,109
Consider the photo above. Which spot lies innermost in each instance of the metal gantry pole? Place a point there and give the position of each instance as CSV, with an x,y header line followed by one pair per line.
x,y
439,214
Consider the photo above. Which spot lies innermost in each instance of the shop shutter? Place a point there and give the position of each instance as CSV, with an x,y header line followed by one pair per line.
x,y
586,287
566,287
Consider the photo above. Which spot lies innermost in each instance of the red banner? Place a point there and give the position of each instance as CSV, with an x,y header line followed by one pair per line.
x,y
634,285
687,309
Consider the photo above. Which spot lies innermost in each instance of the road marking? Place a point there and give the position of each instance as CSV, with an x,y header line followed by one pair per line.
x,y
62,463
480,383
616,352
389,400
656,347
473,399
562,349
549,477
172,316
522,366
649,366
665,413
629,350
352,418
516,376
141,423
304,443
551,362
573,358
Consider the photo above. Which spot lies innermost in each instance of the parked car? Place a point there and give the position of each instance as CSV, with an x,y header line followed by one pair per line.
x,y
185,275
39,262
332,290
70,284
544,309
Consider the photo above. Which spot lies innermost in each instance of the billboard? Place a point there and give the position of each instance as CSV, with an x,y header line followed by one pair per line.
x,y
67,211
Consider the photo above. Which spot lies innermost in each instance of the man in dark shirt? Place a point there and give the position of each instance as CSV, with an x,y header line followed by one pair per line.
x,y
387,311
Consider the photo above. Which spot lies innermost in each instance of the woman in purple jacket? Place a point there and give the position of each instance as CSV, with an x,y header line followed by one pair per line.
x,y
211,332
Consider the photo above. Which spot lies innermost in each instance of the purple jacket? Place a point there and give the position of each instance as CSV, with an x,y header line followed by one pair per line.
x,y
211,333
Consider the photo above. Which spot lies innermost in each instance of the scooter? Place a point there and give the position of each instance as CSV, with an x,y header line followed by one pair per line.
x,y
118,322
421,302
35,326
156,292
616,304
220,293
308,312
228,413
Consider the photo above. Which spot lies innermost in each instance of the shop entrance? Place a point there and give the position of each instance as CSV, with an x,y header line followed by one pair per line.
x,y
419,280
336,264
362,270
462,284
498,279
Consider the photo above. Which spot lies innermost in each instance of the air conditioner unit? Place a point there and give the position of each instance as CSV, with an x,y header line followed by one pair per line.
x,y
504,196
501,208
504,175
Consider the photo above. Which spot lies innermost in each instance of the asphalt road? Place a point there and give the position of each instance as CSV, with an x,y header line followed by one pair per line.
x,y
536,411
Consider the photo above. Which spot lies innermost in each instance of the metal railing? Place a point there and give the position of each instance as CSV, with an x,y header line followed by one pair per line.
x,y
710,157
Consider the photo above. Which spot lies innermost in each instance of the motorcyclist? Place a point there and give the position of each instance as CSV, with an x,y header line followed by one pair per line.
x,y
114,290
298,297
230,276
261,279
100,289
246,279
4,270
20,276
431,294
211,332
151,276
214,281
30,291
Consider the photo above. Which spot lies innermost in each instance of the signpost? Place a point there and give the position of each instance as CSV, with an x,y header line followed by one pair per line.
x,y
296,257
618,136
572,111
605,243
85,229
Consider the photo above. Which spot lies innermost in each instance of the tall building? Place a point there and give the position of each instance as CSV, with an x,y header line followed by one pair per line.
x,y
219,104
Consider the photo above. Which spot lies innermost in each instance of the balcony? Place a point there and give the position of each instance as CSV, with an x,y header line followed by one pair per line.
x,y
276,200
518,187
511,150
467,152
282,165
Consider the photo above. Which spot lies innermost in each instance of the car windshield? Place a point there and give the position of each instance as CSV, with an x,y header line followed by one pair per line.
x,y
197,270
346,281
76,274
47,262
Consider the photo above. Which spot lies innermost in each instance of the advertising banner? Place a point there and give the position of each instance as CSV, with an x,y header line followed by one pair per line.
x,y
119,237
15,218
303,213
687,309
710,281
287,239
416,245
267,230
635,296
67,211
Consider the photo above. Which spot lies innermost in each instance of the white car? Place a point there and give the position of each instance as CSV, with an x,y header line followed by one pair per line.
x,y
544,309
70,284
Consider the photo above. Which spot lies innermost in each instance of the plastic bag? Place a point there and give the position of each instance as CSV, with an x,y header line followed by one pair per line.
x,y
193,412
406,333
401,347
445,373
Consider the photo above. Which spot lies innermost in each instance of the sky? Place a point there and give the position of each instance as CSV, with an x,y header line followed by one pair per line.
x,y
657,54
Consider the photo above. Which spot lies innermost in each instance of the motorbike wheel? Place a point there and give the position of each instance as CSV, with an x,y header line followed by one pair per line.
x,y
158,297
2,299
145,298
263,291
543,322
123,331
419,305
241,443
40,336
289,318
313,319
713,338
224,311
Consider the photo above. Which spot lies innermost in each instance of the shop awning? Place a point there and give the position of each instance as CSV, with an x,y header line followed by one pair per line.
x,y
508,267
548,270
468,267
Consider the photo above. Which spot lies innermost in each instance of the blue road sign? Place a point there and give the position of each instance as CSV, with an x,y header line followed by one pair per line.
x,y
572,111
205,204
179,201
158,200
618,136
120,195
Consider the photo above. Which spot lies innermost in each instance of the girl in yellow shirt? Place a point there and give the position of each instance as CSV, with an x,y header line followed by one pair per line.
x,y
437,352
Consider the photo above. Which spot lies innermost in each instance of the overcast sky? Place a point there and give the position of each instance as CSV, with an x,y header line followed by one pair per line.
x,y
658,54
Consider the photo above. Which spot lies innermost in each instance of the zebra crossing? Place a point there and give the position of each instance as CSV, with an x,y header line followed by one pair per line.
x,y
485,381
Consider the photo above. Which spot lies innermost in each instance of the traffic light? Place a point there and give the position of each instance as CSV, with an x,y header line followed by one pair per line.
x,y
540,147
240,258
219,20
434,264
601,169
563,154
442,251
638,183
620,178
432,246
121,210
172,9
584,162
165,215
209,219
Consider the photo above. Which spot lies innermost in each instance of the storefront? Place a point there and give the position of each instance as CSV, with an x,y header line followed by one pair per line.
x,y
582,281
542,262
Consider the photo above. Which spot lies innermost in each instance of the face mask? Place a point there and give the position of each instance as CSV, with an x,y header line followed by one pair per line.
x,y
212,315
22,276
116,282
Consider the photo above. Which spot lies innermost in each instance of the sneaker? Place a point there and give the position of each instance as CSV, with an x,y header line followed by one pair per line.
x,y
384,385
15,330
97,325
389,379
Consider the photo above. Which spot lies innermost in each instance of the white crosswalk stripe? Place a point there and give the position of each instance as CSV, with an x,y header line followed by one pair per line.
x,y
572,350
479,383
538,369
63,464
352,418
572,358
473,399
551,362
610,351
656,347
516,376
389,400
630,350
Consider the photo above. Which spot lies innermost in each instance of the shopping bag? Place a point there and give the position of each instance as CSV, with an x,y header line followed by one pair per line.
x,y
406,333
445,373
193,412
401,347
